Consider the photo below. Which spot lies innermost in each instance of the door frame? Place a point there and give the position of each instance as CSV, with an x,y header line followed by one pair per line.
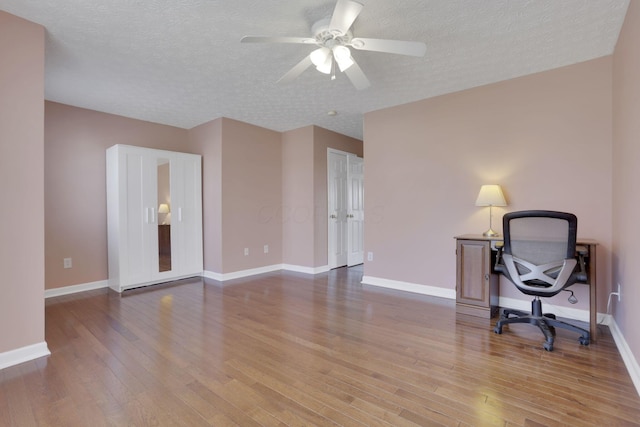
x,y
331,236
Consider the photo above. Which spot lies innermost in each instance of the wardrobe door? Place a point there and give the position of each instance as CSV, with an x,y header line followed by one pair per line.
x,y
186,223
140,217
160,193
131,216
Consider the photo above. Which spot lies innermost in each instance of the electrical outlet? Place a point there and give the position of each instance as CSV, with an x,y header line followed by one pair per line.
x,y
246,251
266,249
369,256
67,263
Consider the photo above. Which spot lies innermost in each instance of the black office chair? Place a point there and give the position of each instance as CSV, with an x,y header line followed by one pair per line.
x,y
539,257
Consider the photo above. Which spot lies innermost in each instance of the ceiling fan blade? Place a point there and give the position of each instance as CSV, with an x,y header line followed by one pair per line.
x,y
261,39
345,12
390,46
297,69
357,77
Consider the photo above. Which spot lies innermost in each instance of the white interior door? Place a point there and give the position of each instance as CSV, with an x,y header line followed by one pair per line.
x,y
337,173
345,174
355,215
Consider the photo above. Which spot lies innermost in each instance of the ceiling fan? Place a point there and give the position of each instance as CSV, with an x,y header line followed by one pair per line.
x,y
333,38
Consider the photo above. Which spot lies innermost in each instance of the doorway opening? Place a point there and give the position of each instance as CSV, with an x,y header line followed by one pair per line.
x,y
345,191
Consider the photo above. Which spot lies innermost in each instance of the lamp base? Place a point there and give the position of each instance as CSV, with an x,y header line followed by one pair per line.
x,y
490,233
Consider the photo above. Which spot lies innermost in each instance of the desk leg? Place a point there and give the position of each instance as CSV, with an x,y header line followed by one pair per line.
x,y
593,306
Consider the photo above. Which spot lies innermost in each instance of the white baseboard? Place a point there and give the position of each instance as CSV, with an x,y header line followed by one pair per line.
x,y
221,277
409,287
627,356
23,354
66,290
307,270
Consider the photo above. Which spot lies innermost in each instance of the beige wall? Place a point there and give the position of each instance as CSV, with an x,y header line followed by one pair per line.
x,y
546,138
298,207
75,188
206,139
251,196
21,183
626,177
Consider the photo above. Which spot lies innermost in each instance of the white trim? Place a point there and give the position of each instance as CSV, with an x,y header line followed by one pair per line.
x,y
23,354
66,290
434,291
221,277
627,356
307,270
120,288
212,275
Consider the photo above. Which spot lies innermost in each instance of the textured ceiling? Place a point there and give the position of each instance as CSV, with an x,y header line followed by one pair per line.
x,y
180,62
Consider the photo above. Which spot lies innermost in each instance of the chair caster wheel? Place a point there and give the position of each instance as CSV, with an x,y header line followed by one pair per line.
x,y
497,330
584,340
548,346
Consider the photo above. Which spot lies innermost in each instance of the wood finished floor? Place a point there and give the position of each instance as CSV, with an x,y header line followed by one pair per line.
x,y
288,349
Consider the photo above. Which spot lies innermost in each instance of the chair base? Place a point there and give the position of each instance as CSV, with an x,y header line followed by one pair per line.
x,y
545,321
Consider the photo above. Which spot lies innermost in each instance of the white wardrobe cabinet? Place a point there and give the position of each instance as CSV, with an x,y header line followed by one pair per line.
x,y
154,216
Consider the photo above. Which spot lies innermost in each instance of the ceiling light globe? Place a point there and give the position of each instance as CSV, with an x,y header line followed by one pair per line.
x,y
341,53
325,67
319,56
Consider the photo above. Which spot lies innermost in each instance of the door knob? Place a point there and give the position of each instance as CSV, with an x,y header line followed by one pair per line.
x,y
333,216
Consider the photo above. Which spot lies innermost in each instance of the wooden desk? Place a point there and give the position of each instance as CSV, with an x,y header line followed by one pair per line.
x,y
477,284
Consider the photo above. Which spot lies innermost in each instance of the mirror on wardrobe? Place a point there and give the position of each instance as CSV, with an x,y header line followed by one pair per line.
x,y
164,215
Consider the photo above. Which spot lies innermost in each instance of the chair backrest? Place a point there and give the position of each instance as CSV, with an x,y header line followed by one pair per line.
x,y
539,250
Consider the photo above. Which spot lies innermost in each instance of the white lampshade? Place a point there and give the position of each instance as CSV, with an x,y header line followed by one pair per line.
x,y
319,56
163,208
491,195
325,67
342,54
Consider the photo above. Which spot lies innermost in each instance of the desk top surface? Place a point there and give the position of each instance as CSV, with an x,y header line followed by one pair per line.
x,y
580,241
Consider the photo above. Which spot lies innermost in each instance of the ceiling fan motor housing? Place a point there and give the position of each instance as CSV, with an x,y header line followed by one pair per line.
x,y
328,37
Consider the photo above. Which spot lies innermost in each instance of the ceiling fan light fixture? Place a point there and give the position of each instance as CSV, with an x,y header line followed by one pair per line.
x,y
319,56
342,54
326,66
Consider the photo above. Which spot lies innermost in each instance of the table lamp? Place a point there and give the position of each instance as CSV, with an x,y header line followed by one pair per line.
x,y
164,209
490,195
